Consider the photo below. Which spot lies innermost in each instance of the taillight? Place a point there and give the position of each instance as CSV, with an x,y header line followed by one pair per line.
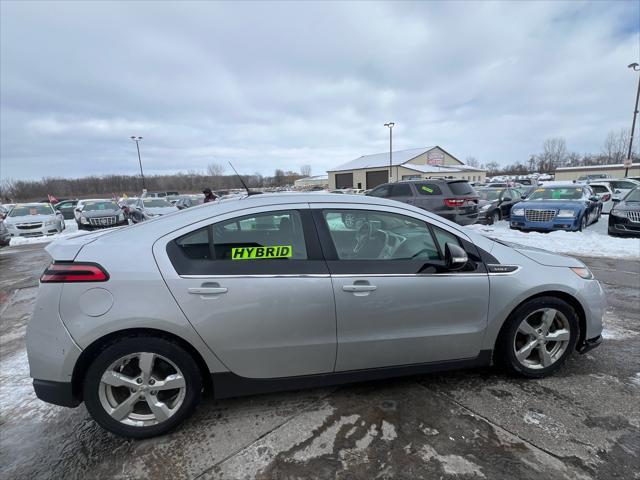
x,y
605,197
74,272
454,202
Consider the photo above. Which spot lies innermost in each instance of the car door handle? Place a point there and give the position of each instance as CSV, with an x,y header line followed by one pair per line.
x,y
207,290
359,288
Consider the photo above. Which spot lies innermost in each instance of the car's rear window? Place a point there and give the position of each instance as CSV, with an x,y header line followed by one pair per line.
x,y
461,188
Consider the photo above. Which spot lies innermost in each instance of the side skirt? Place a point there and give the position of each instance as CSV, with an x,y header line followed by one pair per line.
x,y
228,384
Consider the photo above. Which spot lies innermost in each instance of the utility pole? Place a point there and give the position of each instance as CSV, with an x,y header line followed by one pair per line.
x,y
390,126
137,140
636,68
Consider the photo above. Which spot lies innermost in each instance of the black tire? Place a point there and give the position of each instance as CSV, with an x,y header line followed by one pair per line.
x,y
505,353
583,223
495,217
169,349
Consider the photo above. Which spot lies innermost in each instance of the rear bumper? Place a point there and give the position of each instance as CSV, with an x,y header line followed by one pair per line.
x,y
58,393
460,219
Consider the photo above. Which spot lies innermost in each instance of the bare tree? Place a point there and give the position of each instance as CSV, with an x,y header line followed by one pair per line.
x,y
472,162
492,168
305,170
215,171
615,146
554,153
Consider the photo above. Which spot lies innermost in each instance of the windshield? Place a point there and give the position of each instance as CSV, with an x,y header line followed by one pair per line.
x,y
633,196
26,210
558,193
156,203
489,195
93,206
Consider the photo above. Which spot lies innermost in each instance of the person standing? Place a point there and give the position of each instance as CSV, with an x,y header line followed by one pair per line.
x,y
209,196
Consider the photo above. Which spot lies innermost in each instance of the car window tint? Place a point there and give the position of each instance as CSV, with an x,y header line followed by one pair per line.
x,y
270,235
380,191
599,188
461,188
400,190
622,184
373,235
425,188
195,245
442,236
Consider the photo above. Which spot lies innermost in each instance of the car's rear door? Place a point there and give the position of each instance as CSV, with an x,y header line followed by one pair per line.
x,y
395,302
256,288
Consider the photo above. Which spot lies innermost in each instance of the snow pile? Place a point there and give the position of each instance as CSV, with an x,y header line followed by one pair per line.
x,y
594,241
70,227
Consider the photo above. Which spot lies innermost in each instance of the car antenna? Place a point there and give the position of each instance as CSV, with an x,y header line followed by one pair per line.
x,y
249,192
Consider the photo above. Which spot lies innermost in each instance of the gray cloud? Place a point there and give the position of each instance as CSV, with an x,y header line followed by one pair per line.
x,y
277,85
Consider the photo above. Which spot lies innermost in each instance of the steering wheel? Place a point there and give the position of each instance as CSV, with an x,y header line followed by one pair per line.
x,y
363,235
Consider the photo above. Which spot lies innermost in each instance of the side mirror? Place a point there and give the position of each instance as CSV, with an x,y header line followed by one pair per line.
x,y
523,197
455,257
594,198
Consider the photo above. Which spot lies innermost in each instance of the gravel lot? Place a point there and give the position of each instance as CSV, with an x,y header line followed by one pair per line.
x,y
582,423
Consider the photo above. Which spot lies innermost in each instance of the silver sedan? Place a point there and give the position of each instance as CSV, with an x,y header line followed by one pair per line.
x,y
34,220
283,291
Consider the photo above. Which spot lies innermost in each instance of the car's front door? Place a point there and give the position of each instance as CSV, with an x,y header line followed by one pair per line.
x,y
257,290
396,304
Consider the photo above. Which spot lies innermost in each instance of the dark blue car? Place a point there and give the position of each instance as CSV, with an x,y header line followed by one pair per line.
x,y
569,207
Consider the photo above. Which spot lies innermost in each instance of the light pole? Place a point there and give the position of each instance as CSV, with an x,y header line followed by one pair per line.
x,y
390,125
137,140
636,68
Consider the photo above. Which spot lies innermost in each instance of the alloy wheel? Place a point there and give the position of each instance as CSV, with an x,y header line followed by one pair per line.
x,y
142,389
542,338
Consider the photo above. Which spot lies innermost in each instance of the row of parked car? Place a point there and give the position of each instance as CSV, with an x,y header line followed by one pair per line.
x,y
552,206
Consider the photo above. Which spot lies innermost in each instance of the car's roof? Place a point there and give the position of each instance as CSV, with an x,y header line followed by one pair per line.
x,y
95,200
31,204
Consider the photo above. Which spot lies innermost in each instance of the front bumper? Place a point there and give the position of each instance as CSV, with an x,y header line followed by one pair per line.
x,y
558,223
623,226
460,218
102,227
36,232
58,393
589,344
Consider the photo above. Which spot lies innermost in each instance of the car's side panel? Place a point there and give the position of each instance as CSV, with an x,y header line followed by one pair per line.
x,y
263,325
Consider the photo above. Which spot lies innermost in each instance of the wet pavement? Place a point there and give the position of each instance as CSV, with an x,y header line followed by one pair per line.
x,y
584,422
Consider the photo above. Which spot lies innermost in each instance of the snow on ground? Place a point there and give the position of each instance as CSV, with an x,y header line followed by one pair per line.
x,y
70,227
594,241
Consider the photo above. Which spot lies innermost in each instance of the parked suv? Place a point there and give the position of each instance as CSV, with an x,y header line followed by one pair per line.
x,y
455,200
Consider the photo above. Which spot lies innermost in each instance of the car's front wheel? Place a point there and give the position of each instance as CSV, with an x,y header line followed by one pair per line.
x,y
495,217
583,223
142,386
538,337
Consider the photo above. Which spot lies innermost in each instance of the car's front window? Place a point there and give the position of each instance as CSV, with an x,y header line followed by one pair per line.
x,y
156,203
29,210
489,195
373,235
558,193
633,196
97,206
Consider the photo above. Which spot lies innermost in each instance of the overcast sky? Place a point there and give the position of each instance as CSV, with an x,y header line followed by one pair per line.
x,y
278,85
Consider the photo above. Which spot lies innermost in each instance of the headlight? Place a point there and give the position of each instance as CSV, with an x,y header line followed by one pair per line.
x,y
583,272
83,220
519,212
567,213
618,213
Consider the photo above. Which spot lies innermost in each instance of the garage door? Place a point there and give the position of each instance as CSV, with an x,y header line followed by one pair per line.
x,y
376,178
344,180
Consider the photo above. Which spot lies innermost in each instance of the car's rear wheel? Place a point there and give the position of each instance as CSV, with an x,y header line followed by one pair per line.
x,y
142,386
538,337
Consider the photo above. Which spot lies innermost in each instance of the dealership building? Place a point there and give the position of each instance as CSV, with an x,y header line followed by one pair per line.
x,y
614,171
370,171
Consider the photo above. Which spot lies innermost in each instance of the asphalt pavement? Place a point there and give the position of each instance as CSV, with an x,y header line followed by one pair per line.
x,y
584,422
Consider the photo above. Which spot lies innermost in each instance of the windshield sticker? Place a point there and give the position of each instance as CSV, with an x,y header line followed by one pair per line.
x,y
540,190
33,211
253,253
427,189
